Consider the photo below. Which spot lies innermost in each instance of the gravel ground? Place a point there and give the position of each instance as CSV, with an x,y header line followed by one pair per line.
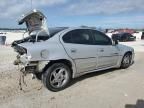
x,y
114,88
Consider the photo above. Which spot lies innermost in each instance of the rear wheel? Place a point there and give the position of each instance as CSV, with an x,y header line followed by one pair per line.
x,y
126,61
57,77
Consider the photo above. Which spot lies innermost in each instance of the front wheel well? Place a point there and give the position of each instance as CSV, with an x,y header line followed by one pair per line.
x,y
128,52
125,64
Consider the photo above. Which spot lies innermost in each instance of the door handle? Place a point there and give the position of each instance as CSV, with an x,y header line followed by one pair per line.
x,y
73,50
115,53
101,50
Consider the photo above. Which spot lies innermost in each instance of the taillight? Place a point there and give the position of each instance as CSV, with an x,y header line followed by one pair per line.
x,y
25,50
22,51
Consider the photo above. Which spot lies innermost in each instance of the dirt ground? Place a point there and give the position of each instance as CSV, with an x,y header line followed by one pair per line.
x,y
114,88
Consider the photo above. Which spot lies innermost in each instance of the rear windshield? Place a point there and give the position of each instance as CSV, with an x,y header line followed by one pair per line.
x,y
54,31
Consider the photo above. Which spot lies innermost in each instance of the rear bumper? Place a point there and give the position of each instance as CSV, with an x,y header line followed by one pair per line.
x,y
28,66
25,64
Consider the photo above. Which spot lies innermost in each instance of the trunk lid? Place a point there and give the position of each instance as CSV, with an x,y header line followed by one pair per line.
x,y
35,22
36,26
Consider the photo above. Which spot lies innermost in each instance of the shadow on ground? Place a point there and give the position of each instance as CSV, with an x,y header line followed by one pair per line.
x,y
89,75
139,104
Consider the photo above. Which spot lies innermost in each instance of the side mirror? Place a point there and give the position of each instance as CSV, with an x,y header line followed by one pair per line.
x,y
115,42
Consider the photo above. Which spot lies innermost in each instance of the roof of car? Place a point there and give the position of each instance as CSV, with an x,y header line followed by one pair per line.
x,y
74,28
70,28
55,30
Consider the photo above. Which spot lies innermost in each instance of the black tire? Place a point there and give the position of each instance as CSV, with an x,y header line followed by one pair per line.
x,y
38,76
48,76
126,61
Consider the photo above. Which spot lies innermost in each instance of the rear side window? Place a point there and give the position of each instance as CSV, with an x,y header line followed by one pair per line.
x,y
67,38
55,30
79,36
100,38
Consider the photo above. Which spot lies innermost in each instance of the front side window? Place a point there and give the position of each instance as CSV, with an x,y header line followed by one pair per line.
x,y
79,36
100,38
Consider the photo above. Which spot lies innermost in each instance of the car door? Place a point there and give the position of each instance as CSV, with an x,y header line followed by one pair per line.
x,y
108,54
80,47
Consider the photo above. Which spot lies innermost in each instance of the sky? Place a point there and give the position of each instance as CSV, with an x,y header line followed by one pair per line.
x,y
73,13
